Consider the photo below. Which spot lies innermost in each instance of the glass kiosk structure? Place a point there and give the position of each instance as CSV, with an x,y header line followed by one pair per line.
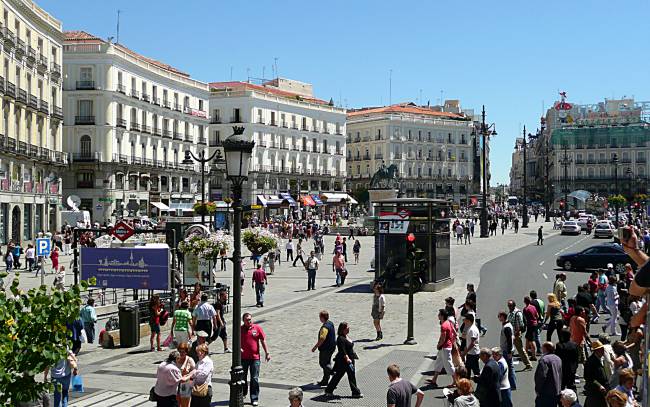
x,y
428,220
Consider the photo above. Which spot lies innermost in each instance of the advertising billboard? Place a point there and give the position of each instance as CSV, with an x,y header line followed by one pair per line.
x,y
134,267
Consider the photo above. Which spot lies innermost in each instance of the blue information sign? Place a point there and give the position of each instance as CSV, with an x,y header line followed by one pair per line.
x,y
43,247
134,267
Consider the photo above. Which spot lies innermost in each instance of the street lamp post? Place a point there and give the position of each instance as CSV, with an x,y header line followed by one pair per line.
x,y
524,210
615,164
566,161
485,131
237,151
189,159
630,175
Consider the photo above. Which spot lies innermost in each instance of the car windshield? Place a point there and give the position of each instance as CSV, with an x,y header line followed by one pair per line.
x,y
569,223
602,226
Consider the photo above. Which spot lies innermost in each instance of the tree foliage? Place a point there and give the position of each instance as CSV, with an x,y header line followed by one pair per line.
x,y
33,336
616,200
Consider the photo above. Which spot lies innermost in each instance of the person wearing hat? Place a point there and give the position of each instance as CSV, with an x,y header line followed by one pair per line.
x,y
201,338
595,379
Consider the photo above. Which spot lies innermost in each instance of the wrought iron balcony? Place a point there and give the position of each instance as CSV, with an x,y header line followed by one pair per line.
x,y
157,131
167,133
120,123
155,101
32,101
215,120
178,136
9,36
20,50
121,89
31,56
178,107
42,63
22,96
44,107
146,129
55,70
84,120
145,97
166,104
86,157
58,112
85,85
135,94
134,126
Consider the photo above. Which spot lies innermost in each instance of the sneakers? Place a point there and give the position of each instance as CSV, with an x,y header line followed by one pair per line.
x,y
255,403
227,350
357,396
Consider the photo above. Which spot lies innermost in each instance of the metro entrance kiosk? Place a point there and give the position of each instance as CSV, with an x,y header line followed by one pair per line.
x,y
428,220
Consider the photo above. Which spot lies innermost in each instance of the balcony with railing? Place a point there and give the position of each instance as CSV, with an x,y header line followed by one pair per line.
x,y
85,85
203,140
55,70
121,88
32,101
379,156
11,89
215,143
2,84
120,123
22,96
146,129
44,107
640,160
155,101
178,136
86,157
145,97
626,160
178,107
58,112
188,138
20,50
31,56
42,64
157,131
135,94
134,126
166,104
9,36
167,133
84,120
215,120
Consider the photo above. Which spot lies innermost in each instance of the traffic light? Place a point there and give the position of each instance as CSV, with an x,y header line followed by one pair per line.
x,y
410,246
561,204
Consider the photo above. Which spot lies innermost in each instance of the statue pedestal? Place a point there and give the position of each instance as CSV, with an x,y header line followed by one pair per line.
x,y
377,194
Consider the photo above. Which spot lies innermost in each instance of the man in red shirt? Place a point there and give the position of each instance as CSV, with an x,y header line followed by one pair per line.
x,y
445,345
252,336
531,317
259,284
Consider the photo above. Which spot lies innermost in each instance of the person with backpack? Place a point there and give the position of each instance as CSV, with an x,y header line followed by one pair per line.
x,y
155,311
516,319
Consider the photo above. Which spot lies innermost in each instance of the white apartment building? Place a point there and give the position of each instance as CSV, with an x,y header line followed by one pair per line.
x,y
299,139
128,122
31,158
432,147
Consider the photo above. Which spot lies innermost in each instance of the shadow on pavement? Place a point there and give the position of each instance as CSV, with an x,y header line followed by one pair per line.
x,y
379,346
356,289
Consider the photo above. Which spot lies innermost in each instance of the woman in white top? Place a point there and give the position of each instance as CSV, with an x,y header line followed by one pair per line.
x,y
186,365
201,375
378,308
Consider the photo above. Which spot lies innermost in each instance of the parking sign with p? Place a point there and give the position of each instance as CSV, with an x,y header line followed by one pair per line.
x,y
43,247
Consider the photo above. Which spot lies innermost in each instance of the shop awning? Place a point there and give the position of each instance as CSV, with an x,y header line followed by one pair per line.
x,y
160,206
269,200
338,198
352,200
307,200
317,199
288,198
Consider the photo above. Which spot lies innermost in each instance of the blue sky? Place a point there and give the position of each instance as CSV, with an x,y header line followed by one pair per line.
x,y
512,56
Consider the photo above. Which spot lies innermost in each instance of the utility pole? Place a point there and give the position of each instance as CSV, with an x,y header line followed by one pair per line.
x,y
524,210
565,161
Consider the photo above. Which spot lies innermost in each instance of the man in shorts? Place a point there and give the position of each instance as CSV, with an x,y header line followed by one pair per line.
x,y
444,346
221,331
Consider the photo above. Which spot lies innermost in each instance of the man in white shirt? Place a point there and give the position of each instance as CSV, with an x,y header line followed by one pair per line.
x,y
472,349
204,316
289,248
30,256
311,265
611,299
504,385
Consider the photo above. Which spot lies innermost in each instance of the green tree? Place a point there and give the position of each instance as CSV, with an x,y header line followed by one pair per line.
x,y
33,336
616,200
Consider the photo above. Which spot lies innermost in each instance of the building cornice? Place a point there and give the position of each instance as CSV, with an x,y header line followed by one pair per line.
x,y
39,17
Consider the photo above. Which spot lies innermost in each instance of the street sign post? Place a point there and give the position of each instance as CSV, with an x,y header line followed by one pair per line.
x,y
43,247
122,231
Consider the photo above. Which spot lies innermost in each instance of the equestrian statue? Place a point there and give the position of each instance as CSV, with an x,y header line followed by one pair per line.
x,y
385,178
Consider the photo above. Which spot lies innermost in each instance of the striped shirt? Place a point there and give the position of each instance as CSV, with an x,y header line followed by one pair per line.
x,y
516,318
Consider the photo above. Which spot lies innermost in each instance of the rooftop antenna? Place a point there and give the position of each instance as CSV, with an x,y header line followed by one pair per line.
x,y
420,98
263,72
248,75
441,100
390,87
231,73
275,64
117,41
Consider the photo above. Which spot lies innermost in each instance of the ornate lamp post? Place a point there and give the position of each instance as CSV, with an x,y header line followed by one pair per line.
x,y
485,131
615,164
630,175
238,153
189,160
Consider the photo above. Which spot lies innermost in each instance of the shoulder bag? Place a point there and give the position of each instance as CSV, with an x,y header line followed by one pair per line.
x,y
200,390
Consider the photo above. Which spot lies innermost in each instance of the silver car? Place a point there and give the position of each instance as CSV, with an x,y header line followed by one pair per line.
x,y
570,227
604,230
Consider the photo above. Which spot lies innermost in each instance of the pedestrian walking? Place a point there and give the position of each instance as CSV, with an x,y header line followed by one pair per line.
x,y
259,282
507,347
223,255
326,345
445,344
344,249
17,252
504,383
252,336
567,351
289,249
579,332
459,233
271,261
221,331
515,317
378,309
338,266
400,392
54,256
88,316
602,286
204,316
30,257
344,362
488,383
299,253
356,249
472,348
595,379
531,318
553,317
548,377
181,328
155,311
611,300
311,265
466,233
9,260
559,289
516,224
61,374
540,236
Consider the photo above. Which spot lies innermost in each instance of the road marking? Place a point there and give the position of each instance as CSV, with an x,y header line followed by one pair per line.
x,y
545,276
541,263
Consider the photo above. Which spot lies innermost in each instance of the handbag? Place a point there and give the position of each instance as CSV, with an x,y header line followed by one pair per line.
x,y
152,394
200,390
83,336
77,384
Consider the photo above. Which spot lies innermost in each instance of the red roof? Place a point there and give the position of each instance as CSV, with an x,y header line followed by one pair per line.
x,y
84,37
237,85
408,108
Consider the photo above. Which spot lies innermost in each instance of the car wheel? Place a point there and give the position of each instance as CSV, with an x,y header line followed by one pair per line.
x,y
619,268
567,266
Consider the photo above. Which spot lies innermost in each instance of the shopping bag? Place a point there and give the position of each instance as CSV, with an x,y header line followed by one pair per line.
x,y
168,341
77,384
84,336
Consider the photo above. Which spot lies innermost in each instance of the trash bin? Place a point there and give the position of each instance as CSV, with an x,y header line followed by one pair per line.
x,y
129,317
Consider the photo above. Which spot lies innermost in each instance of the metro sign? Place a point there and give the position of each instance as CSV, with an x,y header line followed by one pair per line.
x,y
403,213
122,231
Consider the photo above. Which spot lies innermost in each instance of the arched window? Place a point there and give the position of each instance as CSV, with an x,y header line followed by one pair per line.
x,y
85,146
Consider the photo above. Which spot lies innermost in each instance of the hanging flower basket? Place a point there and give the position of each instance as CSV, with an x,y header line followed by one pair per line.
x,y
207,208
259,241
206,247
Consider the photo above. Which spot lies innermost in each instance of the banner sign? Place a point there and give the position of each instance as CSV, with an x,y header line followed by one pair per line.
x,y
197,270
393,226
134,267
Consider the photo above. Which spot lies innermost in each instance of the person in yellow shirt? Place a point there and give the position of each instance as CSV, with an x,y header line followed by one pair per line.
x,y
326,346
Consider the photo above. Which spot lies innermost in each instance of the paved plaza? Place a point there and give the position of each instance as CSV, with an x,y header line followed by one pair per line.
x,y
290,319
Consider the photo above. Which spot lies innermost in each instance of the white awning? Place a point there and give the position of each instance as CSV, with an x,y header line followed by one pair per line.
x,y
160,206
331,197
352,200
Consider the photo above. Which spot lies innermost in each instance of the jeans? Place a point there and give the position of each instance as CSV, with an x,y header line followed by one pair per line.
x,y
289,255
254,367
538,344
61,398
338,375
311,279
325,362
600,302
89,327
512,376
340,278
506,398
30,263
259,292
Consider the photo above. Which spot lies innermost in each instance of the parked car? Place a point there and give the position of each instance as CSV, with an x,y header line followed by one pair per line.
x,y
596,257
570,227
604,229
